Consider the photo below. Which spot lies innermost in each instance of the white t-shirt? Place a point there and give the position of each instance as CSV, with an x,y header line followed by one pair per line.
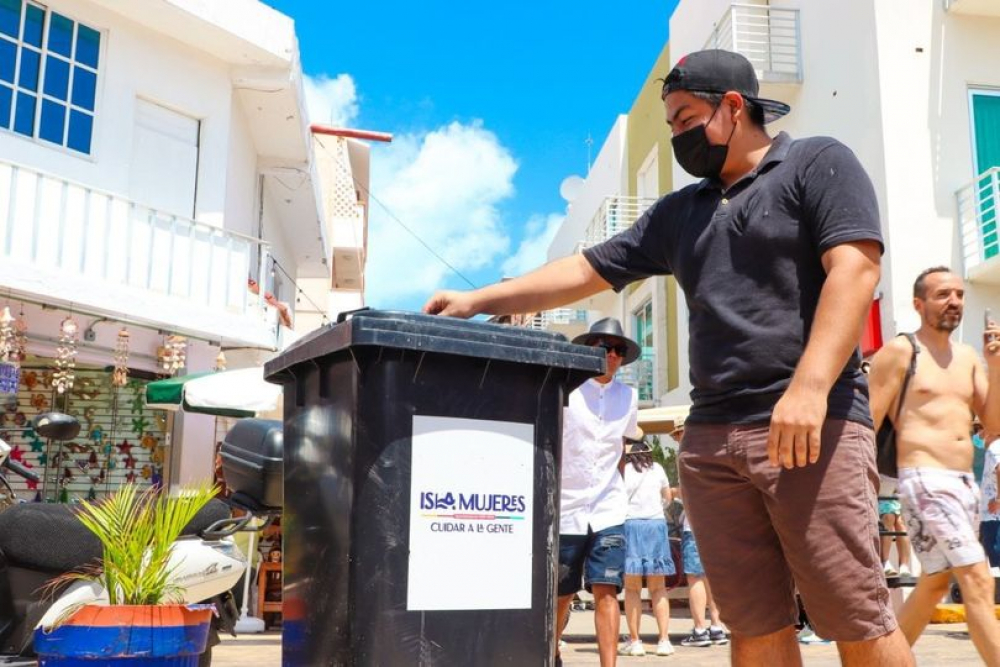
x,y
645,500
988,488
596,419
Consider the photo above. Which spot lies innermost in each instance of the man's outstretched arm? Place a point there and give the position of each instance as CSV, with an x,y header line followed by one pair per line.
x,y
556,284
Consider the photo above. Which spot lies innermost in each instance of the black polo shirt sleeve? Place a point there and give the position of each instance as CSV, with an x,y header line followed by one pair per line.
x,y
837,198
636,253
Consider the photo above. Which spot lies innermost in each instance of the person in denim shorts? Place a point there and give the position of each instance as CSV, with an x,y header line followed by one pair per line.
x,y
647,547
592,496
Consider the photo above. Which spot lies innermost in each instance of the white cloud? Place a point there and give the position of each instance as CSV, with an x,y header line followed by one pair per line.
x,y
331,101
534,247
445,186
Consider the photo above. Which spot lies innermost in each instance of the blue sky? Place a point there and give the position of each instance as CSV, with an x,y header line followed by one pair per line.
x,y
490,104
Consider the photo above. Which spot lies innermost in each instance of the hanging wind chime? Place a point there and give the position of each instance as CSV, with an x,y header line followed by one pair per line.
x,y
10,366
173,354
220,361
65,364
21,337
119,377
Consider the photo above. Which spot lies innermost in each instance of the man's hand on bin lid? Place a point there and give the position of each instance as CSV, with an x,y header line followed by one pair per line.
x,y
451,303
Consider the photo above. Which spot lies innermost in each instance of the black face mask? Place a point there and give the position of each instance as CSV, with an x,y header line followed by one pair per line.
x,y
698,157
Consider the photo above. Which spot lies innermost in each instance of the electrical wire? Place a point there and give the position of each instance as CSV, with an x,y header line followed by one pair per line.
x,y
395,218
299,290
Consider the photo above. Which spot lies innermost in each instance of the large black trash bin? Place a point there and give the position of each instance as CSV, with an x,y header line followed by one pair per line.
x,y
421,479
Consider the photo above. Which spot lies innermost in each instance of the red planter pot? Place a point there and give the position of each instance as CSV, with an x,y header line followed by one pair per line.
x,y
154,635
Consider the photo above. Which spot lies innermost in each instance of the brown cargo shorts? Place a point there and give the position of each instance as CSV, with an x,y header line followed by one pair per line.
x,y
764,532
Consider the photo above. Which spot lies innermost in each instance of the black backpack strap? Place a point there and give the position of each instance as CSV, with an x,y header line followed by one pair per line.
x,y
911,370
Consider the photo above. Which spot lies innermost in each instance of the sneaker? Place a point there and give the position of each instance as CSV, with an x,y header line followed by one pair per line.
x,y
904,571
889,570
718,636
665,648
808,636
697,638
632,648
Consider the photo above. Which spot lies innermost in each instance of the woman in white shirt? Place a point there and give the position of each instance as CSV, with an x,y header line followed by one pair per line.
x,y
647,551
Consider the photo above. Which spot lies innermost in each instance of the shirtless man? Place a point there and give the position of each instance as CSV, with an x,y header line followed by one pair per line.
x,y
938,491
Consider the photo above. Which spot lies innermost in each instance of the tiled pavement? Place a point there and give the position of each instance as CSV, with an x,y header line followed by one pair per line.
x,y
941,645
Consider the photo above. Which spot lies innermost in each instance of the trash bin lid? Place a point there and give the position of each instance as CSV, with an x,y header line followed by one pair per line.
x,y
445,335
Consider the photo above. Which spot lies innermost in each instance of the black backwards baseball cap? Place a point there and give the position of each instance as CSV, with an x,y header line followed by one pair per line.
x,y
718,71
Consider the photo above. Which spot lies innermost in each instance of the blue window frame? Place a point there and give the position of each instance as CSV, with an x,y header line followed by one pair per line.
x,y
49,66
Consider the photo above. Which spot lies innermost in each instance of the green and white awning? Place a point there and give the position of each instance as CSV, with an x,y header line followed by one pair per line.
x,y
237,393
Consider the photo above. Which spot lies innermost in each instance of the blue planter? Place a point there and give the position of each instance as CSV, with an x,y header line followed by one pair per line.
x,y
95,636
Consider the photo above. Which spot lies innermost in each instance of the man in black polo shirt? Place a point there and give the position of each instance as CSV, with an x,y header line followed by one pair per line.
x,y
777,250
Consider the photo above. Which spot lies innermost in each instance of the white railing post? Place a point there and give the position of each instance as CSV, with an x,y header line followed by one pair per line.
x,y
61,234
150,247
11,209
733,14
798,45
261,270
36,211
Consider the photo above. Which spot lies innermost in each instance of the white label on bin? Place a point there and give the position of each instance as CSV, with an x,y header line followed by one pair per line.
x,y
470,514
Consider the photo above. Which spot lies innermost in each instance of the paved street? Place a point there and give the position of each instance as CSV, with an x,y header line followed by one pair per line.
x,y
941,645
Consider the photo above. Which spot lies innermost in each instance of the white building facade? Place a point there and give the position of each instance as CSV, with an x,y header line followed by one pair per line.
x,y
158,172
913,89
601,206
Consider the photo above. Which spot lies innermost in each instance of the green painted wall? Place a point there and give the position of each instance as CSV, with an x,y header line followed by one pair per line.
x,y
647,128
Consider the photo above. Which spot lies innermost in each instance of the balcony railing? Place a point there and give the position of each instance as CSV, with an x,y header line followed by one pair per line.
x,y
769,37
978,217
639,375
558,316
82,232
616,214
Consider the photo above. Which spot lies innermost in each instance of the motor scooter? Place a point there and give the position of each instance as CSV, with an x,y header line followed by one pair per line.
x,y
40,542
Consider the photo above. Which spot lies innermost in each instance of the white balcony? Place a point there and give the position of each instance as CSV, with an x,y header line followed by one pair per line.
x,y
978,219
567,321
769,37
615,215
639,375
973,7
69,243
349,248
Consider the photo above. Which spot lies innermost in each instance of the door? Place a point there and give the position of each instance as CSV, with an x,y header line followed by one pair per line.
x,y
164,169
163,180
986,154
648,178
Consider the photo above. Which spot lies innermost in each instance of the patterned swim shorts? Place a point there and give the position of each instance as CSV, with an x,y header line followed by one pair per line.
x,y
941,510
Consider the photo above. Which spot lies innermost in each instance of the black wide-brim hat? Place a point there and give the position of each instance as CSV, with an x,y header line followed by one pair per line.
x,y
610,328
719,71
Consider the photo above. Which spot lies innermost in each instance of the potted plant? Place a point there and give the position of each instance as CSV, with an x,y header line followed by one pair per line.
x,y
143,622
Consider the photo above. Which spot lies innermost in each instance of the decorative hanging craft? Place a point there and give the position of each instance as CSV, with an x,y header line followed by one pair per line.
x,y
21,337
10,366
119,377
65,364
220,361
173,354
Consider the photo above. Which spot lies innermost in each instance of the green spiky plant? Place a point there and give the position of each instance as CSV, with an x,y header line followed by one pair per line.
x,y
137,530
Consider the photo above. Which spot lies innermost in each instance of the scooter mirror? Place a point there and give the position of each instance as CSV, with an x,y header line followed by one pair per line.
x,y
56,425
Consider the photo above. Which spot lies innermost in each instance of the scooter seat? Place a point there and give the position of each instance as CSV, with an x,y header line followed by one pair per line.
x,y
49,537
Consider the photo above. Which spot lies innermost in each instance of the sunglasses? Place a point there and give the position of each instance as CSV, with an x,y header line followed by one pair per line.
x,y
620,350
